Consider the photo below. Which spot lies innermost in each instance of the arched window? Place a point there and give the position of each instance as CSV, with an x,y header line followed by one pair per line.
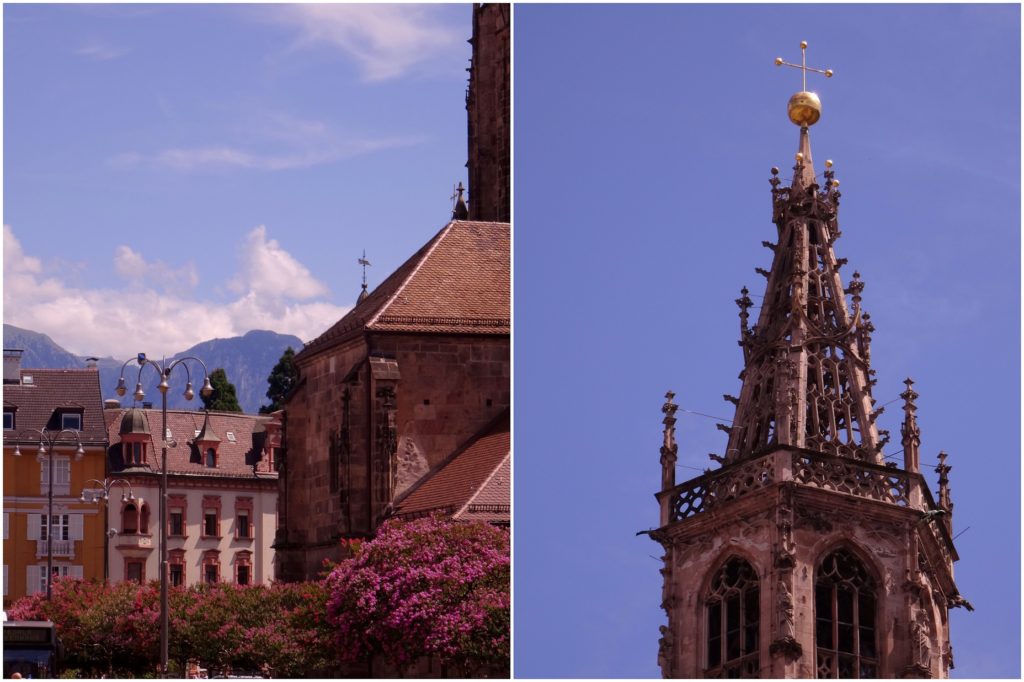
x,y
733,609
130,520
144,519
845,614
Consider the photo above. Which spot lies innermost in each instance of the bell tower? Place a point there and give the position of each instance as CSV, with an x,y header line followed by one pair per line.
x,y
808,552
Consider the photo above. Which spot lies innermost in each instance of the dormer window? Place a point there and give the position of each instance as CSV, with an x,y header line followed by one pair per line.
x,y
71,420
211,458
8,419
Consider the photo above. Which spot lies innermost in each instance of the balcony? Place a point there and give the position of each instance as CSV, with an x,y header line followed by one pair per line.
x,y
61,548
134,541
838,474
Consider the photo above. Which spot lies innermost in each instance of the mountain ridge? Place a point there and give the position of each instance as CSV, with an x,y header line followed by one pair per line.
x,y
247,360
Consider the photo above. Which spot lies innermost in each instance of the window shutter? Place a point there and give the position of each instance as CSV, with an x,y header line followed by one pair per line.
x,y
35,521
75,527
75,572
32,581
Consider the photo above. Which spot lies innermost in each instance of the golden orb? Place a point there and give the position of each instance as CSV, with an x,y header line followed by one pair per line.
x,y
799,156
803,44
804,109
828,163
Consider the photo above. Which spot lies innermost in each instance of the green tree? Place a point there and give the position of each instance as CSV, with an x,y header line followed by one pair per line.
x,y
282,379
223,397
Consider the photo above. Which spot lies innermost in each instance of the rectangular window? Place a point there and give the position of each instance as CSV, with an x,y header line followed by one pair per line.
x,y
61,476
244,531
8,420
210,573
58,572
176,575
134,571
136,453
61,527
210,523
177,522
243,575
71,420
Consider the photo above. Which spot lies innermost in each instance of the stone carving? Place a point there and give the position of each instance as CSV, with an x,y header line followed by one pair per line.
x,y
411,464
664,650
820,522
785,608
726,484
920,638
847,476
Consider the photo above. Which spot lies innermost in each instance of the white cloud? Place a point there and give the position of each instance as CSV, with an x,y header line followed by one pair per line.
x,y
130,265
304,154
386,40
121,321
100,51
268,271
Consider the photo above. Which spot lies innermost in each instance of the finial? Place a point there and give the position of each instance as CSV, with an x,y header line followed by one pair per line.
x,y
744,303
804,107
910,431
362,261
856,287
459,210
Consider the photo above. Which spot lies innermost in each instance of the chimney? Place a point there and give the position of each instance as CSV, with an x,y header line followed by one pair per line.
x,y
147,406
111,404
90,363
12,365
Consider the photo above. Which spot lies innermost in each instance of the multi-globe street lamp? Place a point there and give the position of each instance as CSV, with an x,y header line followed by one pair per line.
x,y
95,497
164,369
48,441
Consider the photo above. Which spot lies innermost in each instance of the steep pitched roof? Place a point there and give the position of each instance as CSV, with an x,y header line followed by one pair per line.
x,y
458,282
235,458
473,483
42,393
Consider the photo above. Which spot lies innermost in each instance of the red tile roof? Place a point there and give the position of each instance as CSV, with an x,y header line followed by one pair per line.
x,y
458,283
475,479
234,458
41,394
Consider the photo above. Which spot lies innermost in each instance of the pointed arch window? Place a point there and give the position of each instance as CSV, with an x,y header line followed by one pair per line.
x,y
845,600
732,607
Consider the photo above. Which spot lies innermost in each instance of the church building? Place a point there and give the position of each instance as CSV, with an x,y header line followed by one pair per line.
x,y
402,406
809,552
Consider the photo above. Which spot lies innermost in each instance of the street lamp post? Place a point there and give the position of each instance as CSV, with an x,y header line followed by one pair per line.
x,y
51,440
164,370
94,497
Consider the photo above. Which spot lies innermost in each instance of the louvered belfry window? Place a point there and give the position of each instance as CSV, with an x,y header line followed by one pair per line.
x,y
733,616
845,616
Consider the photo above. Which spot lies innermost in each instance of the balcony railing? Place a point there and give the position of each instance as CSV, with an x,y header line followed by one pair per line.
x,y
135,541
61,548
841,474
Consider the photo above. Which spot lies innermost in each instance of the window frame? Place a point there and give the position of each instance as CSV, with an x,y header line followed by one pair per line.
x,y
73,414
10,413
63,524
724,590
857,579
207,514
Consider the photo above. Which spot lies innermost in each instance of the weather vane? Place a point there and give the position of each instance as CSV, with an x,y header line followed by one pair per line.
x,y
804,106
364,263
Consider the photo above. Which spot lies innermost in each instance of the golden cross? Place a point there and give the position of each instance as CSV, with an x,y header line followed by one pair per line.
x,y
803,65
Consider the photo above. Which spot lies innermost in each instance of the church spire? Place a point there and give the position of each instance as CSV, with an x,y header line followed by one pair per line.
x,y
806,379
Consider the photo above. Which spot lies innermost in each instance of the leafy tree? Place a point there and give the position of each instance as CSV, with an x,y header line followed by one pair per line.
x,y
282,379
423,588
223,397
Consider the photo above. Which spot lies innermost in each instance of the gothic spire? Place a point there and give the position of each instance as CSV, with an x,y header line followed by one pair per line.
x,y
806,379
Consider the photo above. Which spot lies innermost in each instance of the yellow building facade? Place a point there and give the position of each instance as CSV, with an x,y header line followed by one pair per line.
x,y
65,408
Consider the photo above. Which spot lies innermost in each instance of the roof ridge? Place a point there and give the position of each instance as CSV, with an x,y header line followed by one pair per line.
x,y
484,484
401,287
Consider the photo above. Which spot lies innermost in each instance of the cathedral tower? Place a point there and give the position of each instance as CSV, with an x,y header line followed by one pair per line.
x,y
808,553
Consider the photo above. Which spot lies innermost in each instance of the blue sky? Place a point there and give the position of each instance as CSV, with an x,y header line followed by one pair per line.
x,y
174,173
644,136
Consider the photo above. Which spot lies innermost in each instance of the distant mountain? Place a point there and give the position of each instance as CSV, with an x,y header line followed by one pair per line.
x,y
40,349
247,360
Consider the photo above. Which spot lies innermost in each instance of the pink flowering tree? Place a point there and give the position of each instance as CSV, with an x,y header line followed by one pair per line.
x,y
427,588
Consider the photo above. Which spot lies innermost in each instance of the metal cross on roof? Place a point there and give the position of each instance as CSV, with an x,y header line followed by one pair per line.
x,y
803,64
364,263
